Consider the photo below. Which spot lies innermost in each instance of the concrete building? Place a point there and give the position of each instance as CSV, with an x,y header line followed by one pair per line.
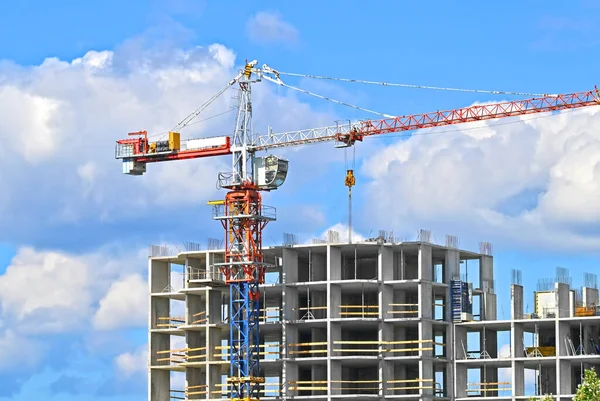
x,y
374,320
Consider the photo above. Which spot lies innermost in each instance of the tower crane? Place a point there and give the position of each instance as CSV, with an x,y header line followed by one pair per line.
x,y
242,212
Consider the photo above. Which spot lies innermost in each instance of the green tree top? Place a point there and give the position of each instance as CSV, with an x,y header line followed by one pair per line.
x,y
589,390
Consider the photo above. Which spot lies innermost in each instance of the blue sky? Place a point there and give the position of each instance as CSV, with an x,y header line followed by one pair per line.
x,y
77,76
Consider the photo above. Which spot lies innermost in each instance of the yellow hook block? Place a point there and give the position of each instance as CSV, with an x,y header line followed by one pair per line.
x,y
350,179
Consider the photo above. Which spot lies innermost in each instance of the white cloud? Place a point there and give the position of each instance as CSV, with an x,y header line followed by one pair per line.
x,y
338,230
14,347
131,363
47,291
54,292
534,182
504,351
269,27
124,305
61,120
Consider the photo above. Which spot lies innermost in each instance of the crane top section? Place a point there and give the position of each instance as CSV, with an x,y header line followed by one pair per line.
x,y
136,151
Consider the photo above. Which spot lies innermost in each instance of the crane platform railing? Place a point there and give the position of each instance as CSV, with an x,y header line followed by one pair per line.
x,y
199,274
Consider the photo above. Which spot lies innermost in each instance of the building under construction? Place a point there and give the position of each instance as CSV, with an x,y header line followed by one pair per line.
x,y
377,319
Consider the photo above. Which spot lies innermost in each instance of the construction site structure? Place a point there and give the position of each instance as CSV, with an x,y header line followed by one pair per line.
x,y
377,319
369,320
244,216
546,351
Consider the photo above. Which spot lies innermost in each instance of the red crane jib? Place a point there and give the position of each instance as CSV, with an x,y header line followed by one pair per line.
x,y
481,112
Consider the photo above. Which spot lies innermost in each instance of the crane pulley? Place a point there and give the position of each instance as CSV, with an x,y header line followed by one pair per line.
x,y
244,216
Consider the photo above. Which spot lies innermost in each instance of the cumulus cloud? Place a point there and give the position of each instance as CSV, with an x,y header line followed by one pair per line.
x,y
46,291
52,292
131,363
61,120
268,27
124,305
337,232
13,347
533,182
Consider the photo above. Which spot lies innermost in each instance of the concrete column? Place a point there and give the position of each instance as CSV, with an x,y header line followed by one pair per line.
x,y
425,265
386,368
561,383
334,367
195,377
425,300
158,380
386,297
334,263
489,309
516,301
426,364
451,265
563,302
385,268
590,296
334,333
159,275
290,265
460,369
518,378
486,273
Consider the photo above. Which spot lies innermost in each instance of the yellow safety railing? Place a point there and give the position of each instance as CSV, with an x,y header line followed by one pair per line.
x,y
487,387
362,311
168,322
199,318
308,350
349,386
403,310
224,351
267,389
270,314
176,357
312,312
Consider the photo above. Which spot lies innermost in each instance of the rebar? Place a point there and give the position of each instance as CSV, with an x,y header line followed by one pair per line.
x,y
451,241
545,284
591,280
289,239
192,246
516,277
562,275
214,244
425,235
485,248
333,236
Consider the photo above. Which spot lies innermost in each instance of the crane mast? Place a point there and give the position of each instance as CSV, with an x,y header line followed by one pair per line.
x,y
242,212
243,217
